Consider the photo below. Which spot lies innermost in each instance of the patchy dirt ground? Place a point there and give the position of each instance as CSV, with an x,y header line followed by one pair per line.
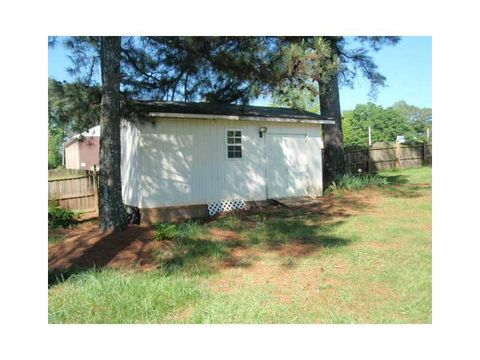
x,y
85,247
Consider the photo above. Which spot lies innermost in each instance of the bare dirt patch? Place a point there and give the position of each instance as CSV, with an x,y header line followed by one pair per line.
x,y
224,235
85,247
310,280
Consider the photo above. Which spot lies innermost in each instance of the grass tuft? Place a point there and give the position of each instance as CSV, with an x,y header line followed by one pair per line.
x,y
186,230
115,297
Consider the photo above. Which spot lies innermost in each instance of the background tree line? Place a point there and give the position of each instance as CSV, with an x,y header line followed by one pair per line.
x,y
386,123
72,109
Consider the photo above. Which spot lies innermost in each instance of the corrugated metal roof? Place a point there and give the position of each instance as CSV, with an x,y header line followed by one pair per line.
x,y
155,108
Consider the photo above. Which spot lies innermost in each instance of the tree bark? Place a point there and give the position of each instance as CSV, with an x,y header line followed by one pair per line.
x,y
334,156
112,213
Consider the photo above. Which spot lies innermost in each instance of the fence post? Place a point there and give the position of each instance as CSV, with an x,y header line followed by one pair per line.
x,y
368,159
424,153
95,187
397,154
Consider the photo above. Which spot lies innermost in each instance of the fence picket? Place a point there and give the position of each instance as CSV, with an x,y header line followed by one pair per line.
x,y
375,159
73,189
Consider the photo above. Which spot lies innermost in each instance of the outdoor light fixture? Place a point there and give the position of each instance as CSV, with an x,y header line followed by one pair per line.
x,y
262,131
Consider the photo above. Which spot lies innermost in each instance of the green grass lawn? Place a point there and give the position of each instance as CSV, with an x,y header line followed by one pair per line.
x,y
364,257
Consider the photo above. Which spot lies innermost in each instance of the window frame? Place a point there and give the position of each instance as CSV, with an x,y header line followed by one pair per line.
x,y
227,144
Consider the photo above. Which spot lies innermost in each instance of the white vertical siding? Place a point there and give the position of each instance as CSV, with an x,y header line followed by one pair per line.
x,y
131,165
183,161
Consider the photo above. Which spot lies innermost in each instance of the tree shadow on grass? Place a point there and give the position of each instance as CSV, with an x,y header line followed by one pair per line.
x,y
289,233
89,249
399,186
394,179
282,237
58,276
192,255
412,191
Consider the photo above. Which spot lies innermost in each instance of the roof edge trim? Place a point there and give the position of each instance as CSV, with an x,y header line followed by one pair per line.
x,y
238,117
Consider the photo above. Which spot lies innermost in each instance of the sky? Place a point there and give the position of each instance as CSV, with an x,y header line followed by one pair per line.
x,y
407,67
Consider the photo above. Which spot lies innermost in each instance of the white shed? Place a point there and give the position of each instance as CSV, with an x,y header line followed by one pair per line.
x,y
177,157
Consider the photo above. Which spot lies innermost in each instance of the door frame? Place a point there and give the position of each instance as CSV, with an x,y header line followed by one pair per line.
x,y
305,135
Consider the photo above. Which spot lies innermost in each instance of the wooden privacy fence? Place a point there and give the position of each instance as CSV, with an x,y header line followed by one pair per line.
x,y
385,156
76,190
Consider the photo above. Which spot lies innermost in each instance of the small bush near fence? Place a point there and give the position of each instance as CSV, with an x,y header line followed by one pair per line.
x,y
60,217
356,182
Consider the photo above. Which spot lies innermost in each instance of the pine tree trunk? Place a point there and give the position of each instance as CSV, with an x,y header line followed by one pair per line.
x,y
112,213
334,156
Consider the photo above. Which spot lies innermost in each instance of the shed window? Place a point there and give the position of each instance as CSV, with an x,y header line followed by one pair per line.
x,y
234,144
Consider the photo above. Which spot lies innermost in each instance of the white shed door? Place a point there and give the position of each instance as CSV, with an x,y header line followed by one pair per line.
x,y
286,165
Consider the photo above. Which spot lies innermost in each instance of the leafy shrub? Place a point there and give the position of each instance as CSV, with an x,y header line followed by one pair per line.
x,y
60,217
356,182
164,231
